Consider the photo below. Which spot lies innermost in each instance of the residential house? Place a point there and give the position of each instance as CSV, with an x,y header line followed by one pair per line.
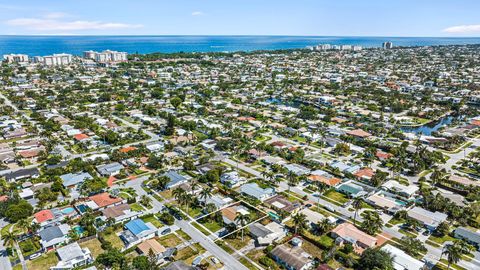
x,y
267,234
253,190
403,261
120,213
280,203
472,237
22,174
231,179
72,256
347,232
429,219
176,179
402,190
292,258
137,231
113,168
71,180
54,236
103,200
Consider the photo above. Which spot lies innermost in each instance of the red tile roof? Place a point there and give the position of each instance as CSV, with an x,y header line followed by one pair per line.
x,y
81,136
365,173
104,199
128,149
359,133
43,216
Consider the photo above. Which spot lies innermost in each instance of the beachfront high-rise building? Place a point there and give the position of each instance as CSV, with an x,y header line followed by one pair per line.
x,y
16,58
106,56
59,59
387,45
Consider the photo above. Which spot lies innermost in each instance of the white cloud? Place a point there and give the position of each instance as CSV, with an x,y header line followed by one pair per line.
x,y
197,13
55,15
463,29
51,22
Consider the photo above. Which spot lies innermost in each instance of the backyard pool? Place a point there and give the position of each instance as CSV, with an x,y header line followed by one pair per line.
x,y
67,211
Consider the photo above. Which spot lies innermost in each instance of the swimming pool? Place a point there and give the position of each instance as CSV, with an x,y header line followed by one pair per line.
x,y
78,230
67,211
401,203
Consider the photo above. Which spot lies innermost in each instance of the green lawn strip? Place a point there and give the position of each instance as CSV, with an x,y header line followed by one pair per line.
x,y
183,235
222,244
152,219
441,240
200,228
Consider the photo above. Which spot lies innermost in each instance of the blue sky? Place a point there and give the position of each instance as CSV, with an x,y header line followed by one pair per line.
x,y
242,17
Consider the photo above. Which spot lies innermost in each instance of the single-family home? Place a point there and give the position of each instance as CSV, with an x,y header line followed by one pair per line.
x,y
72,256
253,190
71,180
347,232
403,261
137,231
53,236
472,237
267,234
429,219
176,179
292,257
113,168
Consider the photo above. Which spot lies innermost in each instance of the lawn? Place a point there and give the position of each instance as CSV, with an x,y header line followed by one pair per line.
x,y
188,254
152,219
222,244
136,207
336,196
247,264
43,262
169,241
407,233
212,225
440,240
94,246
438,266
200,228
114,240
237,242
183,235
29,246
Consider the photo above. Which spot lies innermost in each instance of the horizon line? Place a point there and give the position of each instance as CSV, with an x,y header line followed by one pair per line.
x,y
226,35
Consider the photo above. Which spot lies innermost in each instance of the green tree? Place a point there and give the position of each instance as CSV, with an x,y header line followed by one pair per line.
x,y
372,222
299,222
375,259
357,205
242,220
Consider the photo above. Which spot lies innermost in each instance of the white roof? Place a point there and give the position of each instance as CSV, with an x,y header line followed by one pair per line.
x,y
402,260
394,185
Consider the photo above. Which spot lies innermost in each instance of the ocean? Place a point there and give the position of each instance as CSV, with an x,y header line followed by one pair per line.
x,y
45,45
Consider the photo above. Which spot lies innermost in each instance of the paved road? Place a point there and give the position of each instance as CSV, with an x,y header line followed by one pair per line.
x,y
228,260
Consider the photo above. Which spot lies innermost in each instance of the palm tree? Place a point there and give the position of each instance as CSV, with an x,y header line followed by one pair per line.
x,y
205,194
9,239
242,220
372,222
323,226
453,252
292,180
299,222
194,185
357,205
